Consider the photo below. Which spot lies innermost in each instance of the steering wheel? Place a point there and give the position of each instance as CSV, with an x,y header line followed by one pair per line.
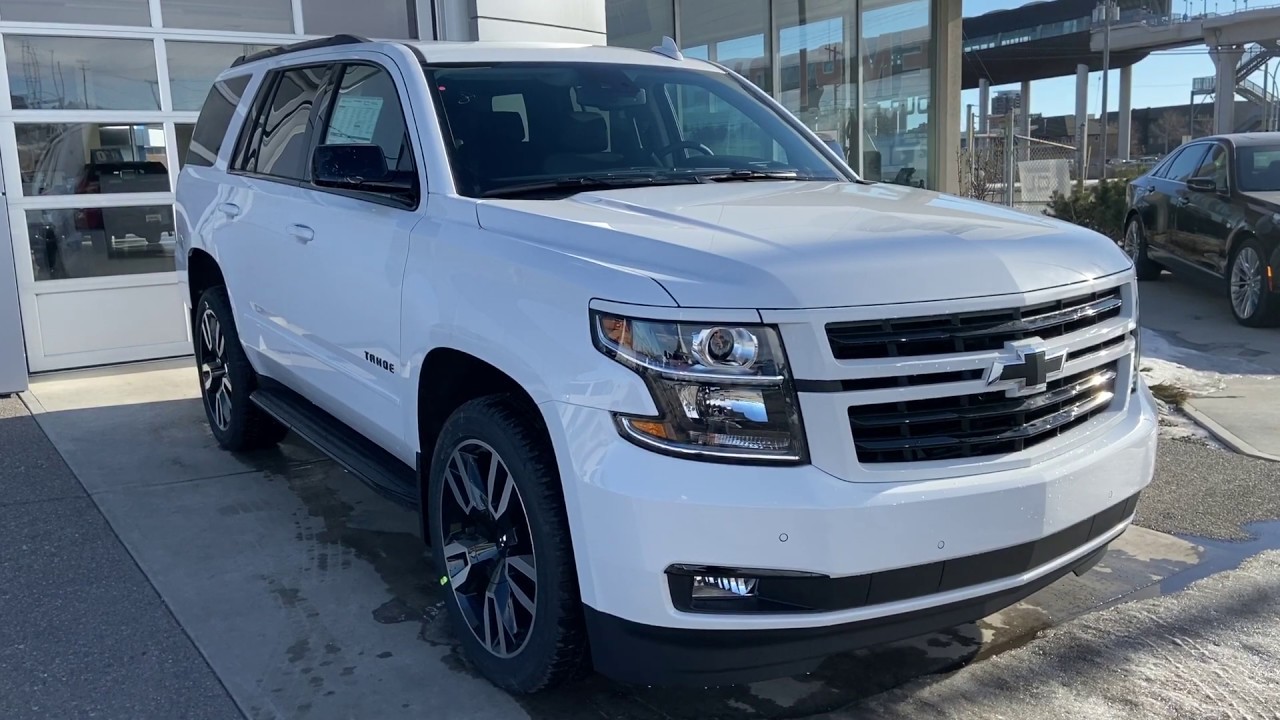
x,y
684,145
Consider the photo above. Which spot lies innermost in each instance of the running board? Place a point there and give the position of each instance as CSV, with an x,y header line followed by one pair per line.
x,y
376,467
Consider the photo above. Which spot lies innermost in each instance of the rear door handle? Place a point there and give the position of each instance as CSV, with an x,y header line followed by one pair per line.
x,y
229,209
302,233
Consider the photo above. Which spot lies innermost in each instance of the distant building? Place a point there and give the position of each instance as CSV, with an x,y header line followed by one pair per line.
x,y
1006,101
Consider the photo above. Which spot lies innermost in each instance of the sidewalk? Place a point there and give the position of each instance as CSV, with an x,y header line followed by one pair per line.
x,y
1232,372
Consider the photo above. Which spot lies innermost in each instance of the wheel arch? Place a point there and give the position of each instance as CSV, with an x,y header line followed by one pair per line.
x,y
203,273
449,378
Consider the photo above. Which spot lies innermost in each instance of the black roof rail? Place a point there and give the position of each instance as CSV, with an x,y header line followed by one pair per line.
x,y
334,41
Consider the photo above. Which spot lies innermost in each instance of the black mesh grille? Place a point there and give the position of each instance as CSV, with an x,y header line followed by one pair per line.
x,y
970,332
989,423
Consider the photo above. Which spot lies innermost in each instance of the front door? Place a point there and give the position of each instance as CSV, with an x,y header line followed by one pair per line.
x,y
349,309
1206,218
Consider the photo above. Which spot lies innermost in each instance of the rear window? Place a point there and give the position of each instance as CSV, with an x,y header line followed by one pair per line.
x,y
215,117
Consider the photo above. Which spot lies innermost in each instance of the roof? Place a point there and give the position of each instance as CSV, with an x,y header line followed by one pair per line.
x,y
469,52
1247,139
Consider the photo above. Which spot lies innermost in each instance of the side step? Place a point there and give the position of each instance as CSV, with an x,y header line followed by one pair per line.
x,y
378,468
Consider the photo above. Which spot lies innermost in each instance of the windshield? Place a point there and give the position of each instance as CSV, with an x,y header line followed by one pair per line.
x,y
580,126
1258,167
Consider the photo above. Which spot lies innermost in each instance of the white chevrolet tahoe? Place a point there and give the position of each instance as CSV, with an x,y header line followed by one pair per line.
x,y
671,387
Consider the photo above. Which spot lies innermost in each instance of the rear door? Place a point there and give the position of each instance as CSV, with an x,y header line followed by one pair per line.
x,y
261,246
1171,186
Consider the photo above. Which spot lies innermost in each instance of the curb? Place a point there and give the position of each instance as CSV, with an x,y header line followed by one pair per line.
x,y
1225,436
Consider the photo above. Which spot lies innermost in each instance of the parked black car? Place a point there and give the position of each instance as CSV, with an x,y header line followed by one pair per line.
x,y
1213,207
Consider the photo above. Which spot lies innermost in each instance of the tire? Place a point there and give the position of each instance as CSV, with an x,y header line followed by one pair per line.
x,y
1252,303
477,541
1135,246
227,379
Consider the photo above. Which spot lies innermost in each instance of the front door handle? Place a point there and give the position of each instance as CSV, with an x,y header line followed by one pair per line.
x,y
229,209
302,233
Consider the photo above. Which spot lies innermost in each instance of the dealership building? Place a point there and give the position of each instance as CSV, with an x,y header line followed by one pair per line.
x,y
99,99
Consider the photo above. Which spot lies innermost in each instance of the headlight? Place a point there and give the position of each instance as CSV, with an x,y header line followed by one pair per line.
x,y
723,391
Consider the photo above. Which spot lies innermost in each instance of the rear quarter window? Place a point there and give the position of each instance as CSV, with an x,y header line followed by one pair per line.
x,y
215,118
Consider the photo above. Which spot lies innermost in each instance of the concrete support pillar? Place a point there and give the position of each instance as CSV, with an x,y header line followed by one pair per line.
x,y
1082,122
1024,115
944,157
1125,137
1225,59
984,105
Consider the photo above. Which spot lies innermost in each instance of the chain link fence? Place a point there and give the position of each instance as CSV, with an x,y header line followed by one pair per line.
x,y
1016,170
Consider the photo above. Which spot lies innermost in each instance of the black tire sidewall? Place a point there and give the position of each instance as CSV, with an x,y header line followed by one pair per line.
x,y
243,378
534,474
1144,267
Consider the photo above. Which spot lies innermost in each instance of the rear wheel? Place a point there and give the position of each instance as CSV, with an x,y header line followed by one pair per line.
x,y
501,539
1252,301
1135,245
227,379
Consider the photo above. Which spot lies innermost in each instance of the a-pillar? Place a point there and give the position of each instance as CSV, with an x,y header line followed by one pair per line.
x,y
1125,137
1225,58
1082,122
984,104
1024,125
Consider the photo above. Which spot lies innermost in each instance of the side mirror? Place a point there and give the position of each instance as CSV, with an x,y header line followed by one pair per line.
x,y
352,167
1202,184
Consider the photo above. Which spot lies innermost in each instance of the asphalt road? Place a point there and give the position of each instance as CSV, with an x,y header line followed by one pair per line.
x,y
260,552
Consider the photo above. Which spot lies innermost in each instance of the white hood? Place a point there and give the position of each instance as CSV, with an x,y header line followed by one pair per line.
x,y
783,245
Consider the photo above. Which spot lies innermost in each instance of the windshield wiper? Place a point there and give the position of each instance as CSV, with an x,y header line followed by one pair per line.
x,y
587,183
744,175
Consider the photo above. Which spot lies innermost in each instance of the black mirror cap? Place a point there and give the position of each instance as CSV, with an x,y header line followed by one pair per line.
x,y
1202,184
348,166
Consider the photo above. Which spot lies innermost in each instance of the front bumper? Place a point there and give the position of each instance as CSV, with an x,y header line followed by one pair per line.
x,y
634,513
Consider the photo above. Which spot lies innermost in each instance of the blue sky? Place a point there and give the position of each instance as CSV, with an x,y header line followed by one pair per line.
x,y
1161,79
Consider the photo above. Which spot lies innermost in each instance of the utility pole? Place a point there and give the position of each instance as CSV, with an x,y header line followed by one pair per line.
x,y
1107,7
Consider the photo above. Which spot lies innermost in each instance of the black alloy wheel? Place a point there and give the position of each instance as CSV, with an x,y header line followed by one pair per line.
x,y
227,379
500,537
1135,246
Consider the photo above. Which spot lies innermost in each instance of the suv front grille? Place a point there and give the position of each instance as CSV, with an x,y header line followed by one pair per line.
x,y
970,331
989,423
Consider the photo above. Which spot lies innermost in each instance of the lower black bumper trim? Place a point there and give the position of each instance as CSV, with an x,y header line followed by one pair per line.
x,y
641,654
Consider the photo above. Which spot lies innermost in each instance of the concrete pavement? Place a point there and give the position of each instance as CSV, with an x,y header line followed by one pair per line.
x,y
308,594
1195,316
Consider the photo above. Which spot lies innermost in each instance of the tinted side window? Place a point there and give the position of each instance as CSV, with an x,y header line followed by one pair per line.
x,y
1214,165
1185,164
367,111
215,117
277,143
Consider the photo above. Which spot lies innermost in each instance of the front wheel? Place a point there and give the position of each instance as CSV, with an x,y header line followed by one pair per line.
x,y
501,539
227,379
1252,301
1135,245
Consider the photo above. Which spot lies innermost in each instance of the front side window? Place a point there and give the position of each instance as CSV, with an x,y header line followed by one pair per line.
x,y
367,111
1259,167
1214,165
277,142
513,124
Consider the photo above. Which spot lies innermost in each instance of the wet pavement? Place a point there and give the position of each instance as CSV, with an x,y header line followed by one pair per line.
x,y
308,594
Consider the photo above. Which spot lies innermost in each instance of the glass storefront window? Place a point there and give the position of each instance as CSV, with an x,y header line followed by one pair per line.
x,y
395,19
89,12
194,65
734,33
89,159
897,76
238,15
93,242
64,73
639,23
817,74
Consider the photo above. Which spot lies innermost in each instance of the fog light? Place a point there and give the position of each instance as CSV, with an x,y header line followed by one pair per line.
x,y
723,587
